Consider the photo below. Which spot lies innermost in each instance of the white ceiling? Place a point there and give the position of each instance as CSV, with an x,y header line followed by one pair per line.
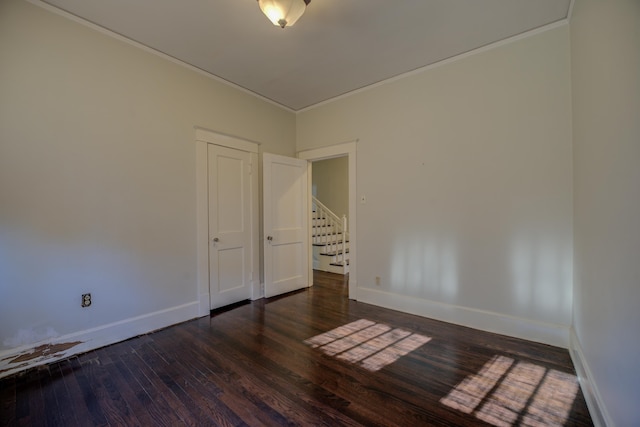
x,y
336,47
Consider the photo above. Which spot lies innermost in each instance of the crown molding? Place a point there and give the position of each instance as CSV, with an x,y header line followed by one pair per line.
x,y
131,42
446,61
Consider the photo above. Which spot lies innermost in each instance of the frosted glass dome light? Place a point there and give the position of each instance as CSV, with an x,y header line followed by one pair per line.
x,y
283,13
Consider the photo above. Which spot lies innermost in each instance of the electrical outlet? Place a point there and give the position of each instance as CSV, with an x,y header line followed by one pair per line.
x,y
86,300
377,280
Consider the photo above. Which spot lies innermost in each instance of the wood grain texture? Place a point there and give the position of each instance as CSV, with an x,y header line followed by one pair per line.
x,y
250,366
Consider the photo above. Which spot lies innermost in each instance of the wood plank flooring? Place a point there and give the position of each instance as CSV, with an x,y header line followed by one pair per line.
x,y
251,366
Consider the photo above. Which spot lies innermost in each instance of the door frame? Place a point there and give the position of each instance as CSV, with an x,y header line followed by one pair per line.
x,y
338,150
204,137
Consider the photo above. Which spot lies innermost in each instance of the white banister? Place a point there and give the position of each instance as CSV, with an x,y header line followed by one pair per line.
x,y
333,229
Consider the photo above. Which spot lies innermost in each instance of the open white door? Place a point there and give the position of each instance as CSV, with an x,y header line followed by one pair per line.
x,y
286,217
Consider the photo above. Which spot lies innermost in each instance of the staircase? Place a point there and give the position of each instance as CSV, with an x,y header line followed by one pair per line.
x,y
330,240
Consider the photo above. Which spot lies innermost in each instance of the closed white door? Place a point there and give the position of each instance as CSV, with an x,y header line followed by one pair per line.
x,y
229,225
286,242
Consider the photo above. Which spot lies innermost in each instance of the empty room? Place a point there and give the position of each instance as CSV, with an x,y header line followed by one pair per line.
x,y
326,212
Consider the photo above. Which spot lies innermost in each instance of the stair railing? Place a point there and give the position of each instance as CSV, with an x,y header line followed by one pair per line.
x,y
332,228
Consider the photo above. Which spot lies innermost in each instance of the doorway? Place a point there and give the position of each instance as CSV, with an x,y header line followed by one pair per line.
x,y
228,261
242,257
347,150
330,214
230,190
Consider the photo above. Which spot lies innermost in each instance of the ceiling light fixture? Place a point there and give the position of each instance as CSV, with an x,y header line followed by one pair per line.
x,y
283,13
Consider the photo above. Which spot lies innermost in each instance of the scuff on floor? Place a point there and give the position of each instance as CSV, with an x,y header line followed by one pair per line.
x,y
46,351
35,356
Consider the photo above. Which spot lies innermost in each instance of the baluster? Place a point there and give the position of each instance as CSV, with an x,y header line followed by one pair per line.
x,y
324,226
330,236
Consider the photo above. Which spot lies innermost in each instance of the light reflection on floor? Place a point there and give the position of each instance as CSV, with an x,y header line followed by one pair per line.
x,y
369,344
504,393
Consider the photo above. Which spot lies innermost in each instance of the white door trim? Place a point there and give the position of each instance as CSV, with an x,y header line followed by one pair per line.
x,y
340,150
203,138
211,137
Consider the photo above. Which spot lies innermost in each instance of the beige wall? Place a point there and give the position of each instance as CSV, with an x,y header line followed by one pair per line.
x,y
331,184
97,173
605,55
466,172
466,169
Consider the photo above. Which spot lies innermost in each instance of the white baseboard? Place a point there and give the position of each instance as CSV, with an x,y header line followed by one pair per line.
x,y
599,414
90,339
258,291
547,333
204,305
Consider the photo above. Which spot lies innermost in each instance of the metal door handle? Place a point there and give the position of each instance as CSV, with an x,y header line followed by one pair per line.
x,y
215,239
269,238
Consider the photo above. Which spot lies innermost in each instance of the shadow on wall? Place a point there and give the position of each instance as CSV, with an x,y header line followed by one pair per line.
x,y
419,263
536,274
541,274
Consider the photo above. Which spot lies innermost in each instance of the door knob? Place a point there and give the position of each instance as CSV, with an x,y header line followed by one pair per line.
x,y
215,239
269,238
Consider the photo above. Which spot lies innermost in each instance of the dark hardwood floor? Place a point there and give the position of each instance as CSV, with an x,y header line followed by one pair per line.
x,y
259,364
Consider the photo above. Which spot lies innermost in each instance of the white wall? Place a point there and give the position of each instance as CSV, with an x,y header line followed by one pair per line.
x,y
97,175
605,55
331,184
466,172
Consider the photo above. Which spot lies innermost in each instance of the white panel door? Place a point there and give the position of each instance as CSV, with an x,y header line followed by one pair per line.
x,y
229,225
286,244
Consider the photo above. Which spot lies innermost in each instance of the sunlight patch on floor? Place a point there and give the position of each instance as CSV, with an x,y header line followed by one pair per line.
x,y
504,393
369,344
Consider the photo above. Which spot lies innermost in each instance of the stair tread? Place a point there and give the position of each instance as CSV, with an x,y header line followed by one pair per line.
x,y
334,253
327,243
